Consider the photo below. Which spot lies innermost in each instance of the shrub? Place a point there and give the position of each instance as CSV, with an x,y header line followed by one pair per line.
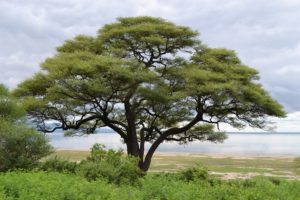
x,y
195,173
20,146
109,165
58,165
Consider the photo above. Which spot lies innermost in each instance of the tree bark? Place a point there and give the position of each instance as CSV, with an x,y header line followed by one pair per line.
x,y
167,133
150,153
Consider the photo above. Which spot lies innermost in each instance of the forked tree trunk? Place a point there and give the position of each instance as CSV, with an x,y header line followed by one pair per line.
x,y
144,161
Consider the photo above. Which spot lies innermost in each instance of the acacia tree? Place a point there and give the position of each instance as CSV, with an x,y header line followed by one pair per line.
x,y
150,81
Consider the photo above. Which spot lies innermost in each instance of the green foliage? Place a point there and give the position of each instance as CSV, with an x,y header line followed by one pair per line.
x,y
112,166
20,146
58,165
56,186
10,110
108,165
141,35
51,186
195,173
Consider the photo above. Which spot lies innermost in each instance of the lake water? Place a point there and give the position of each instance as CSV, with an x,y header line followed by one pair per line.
x,y
285,144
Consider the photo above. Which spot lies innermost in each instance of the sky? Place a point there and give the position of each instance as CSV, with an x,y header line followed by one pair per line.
x,y
265,34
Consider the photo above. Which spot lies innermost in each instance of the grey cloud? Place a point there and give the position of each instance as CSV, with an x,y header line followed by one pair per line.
x,y
265,34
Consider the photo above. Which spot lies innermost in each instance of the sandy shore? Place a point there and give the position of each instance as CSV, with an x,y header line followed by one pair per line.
x,y
222,155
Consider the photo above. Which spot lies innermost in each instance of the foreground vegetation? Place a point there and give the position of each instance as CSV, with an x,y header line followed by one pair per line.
x,y
108,174
57,186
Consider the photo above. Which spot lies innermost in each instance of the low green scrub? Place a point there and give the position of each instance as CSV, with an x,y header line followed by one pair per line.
x,y
109,165
51,186
58,165
195,173
61,186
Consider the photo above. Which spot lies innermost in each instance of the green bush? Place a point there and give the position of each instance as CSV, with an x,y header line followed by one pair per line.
x,y
195,173
58,165
21,147
109,165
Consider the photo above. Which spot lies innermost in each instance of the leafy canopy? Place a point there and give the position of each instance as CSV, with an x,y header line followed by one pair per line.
x,y
149,80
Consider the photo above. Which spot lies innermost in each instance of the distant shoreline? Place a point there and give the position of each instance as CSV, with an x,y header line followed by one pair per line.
x,y
192,154
238,144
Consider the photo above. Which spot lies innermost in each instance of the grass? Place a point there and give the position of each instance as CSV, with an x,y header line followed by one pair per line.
x,y
71,155
273,166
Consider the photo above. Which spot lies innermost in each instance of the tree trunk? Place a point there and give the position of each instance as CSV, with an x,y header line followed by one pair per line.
x,y
144,162
150,153
132,148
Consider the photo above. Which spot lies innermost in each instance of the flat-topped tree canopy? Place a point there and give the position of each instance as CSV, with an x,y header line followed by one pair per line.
x,y
150,81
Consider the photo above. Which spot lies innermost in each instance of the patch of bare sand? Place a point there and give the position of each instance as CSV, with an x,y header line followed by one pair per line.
x,y
236,175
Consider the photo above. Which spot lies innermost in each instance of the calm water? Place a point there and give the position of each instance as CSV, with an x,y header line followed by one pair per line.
x,y
237,143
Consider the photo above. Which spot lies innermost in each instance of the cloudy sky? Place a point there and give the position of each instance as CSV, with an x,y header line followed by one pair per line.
x,y
264,33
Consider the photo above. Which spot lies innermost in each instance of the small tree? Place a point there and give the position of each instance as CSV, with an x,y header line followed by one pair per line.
x,y
150,81
20,146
